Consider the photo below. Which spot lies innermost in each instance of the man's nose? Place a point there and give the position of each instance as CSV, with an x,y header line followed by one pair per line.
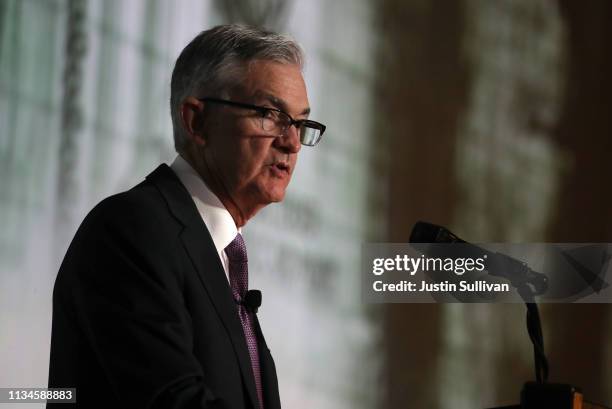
x,y
289,141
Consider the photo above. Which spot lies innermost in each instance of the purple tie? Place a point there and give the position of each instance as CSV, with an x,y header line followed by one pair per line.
x,y
239,280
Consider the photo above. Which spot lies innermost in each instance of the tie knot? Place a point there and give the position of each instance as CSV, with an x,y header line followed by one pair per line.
x,y
236,250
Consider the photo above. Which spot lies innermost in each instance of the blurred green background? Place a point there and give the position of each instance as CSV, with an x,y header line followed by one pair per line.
x,y
490,117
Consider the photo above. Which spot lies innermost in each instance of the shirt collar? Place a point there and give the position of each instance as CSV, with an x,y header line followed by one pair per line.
x,y
217,219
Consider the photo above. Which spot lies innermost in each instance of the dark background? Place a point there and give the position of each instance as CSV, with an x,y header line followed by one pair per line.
x,y
489,117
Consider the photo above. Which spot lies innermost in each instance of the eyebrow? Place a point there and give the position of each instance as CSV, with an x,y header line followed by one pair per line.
x,y
279,102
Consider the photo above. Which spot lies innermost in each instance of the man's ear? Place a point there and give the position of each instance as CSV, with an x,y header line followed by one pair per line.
x,y
192,119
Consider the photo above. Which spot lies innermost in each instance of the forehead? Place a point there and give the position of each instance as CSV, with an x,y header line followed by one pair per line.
x,y
276,83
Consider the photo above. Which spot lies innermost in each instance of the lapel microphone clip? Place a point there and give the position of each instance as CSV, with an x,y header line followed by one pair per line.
x,y
251,301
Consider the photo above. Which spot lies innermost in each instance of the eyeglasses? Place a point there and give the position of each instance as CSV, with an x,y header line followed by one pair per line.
x,y
278,122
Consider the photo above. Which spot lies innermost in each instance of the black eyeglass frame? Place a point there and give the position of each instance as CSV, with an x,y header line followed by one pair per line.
x,y
262,110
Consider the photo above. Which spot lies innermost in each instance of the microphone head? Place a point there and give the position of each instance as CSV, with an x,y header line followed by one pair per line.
x,y
424,232
253,299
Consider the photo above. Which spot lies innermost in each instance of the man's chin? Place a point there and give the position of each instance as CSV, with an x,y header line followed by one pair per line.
x,y
270,191
275,192
277,196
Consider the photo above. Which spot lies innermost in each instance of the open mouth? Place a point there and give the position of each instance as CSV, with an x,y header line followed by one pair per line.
x,y
280,168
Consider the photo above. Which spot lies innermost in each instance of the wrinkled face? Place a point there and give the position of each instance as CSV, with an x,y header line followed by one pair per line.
x,y
255,166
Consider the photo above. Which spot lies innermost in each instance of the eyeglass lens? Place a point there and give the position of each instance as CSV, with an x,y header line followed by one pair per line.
x,y
309,136
280,122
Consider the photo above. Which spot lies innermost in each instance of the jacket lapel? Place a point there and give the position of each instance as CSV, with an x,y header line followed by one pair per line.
x,y
201,249
268,372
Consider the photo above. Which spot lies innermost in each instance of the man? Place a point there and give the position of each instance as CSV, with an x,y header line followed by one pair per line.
x,y
150,307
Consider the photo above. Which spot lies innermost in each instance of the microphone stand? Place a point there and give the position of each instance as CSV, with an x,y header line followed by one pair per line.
x,y
534,328
542,394
535,395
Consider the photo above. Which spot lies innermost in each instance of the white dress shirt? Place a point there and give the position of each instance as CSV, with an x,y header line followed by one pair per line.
x,y
217,219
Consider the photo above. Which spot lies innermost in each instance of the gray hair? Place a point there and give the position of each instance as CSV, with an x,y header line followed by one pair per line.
x,y
213,59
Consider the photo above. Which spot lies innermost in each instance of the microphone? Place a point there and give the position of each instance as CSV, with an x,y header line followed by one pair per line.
x,y
500,265
251,301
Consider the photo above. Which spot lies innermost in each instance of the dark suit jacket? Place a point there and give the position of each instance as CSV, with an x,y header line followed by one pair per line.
x,y
143,315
